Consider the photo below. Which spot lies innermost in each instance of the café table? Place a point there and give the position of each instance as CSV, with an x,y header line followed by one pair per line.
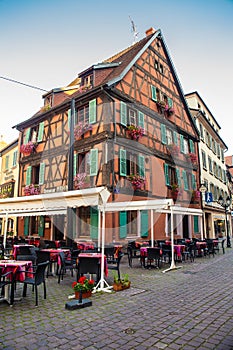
x,y
55,257
95,255
17,267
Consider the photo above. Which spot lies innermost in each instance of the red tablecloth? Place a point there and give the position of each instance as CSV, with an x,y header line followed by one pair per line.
x,y
17,267
85,245
54,254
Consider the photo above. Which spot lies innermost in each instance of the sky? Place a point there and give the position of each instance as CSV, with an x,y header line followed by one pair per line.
x,y
47,43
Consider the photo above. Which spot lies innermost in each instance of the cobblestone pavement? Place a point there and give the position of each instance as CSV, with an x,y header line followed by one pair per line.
x,y
187,308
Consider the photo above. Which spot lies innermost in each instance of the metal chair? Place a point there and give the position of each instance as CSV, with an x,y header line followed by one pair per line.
x,y
64,265
7,279
153,255
113,261
38,279
89,266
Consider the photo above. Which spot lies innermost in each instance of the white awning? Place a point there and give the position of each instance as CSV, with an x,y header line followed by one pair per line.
x,y
53,203
156,204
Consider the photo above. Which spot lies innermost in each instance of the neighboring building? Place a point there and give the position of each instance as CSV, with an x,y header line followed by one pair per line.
x,y
119,140
9,182
212,167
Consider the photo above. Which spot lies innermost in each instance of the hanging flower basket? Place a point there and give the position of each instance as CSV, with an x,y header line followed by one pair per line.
x,y
81,128
195,195
169,110
160,106
30,190
80,181
137,181
28,148
175,191
135,132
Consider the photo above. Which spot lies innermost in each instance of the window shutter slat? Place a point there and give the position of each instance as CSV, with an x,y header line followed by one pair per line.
x,y
144,223
27,135
182,143
178,177
194,182
123,168
169,102
93,162
175,138
123,114
153,93
185,179
141,166
123,224
92,111
163,134
166,174
41,226
191,146
41,174
75,163
40,132
26,226
28,175
94,218
141,120
196,223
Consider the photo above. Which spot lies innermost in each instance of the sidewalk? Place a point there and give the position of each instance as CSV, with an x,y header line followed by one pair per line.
x,y
188,308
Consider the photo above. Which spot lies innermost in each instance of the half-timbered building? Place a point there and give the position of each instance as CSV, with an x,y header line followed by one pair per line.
x,y
122,126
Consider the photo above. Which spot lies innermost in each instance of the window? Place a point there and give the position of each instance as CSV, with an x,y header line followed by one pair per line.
x,y
7,162
201,132
185,180
34,134
210,165
169,137
132,117
87,113
131,163
171,175
15,156
82,163
218,150
203,155
214,146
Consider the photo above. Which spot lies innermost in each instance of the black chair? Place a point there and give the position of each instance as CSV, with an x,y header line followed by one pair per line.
x,y
133,252
223,245
89,266
153,255
38,279
43,257
7,279
26,253
64,265
209,248
189,252
113,260
167,252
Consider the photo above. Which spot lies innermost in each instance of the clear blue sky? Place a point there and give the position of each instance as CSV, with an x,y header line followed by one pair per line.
x,y
47,43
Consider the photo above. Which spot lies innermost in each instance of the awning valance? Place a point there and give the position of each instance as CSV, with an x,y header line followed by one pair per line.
x,y
53,203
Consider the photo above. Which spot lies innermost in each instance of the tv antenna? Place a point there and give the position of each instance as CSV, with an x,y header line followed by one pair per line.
x,y
134,30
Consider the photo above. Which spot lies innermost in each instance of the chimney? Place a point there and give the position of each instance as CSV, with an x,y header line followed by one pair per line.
x,y
150,31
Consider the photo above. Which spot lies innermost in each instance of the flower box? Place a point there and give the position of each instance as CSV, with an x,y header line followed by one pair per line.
x,y
80,181
28,148
135,132
120,286
136,180
30,190
122,283
80,129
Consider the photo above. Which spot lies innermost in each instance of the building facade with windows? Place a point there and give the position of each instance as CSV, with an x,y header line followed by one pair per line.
x,y
212,167
9,183
122,126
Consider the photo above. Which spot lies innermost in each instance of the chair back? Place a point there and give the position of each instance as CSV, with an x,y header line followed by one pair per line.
x,y
23,250
88,265
42,256
153,253
40,272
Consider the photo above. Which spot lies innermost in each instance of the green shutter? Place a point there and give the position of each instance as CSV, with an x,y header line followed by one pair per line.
x,y
26,225
166,174
144,223
27,135
169,102
194,182
15,156
41,226
123,114
182,143
153,93
94,218
178,177
28,175
92,111
191,146
175,138
141,166
163,134
41,174
196,224
75,164
40,132
184,175
123,224
123,167
141,120
93,162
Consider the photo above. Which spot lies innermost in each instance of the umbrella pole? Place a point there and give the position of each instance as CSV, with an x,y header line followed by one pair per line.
x,y
100,285
173,265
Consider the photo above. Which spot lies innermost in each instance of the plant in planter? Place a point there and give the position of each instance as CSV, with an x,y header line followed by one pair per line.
x,y
192,157
175,191
195,195
122,283
83,285
80,181
136,180
135,132
31,190
80,129
28,148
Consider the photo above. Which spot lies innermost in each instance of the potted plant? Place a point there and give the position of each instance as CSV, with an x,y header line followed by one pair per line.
x,y
135,132
169,110
83,285
31,190
195,195
122,283
175,191
136,180
81,128
28,148
80,181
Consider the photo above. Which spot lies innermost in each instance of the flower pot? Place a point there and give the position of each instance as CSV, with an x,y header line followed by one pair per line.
x,y
120,286
85,295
